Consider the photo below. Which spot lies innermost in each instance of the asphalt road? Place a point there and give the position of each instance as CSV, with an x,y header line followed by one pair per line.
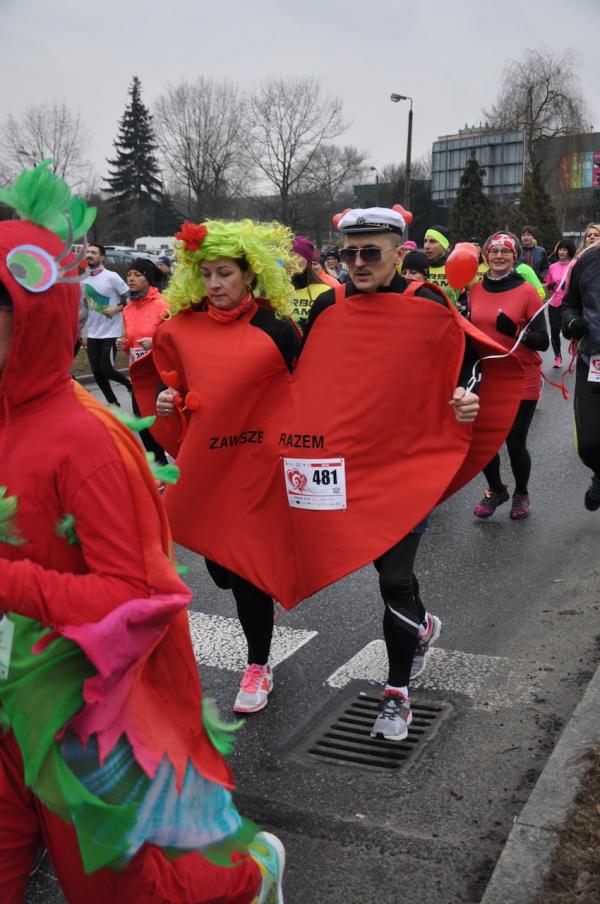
x,y
521,615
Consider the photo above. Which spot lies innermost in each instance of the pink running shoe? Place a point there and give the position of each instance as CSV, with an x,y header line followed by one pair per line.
x,y
520,507
255,686
557,361
489,503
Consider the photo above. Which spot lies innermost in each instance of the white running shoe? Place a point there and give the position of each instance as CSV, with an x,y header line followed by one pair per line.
x,y
268,853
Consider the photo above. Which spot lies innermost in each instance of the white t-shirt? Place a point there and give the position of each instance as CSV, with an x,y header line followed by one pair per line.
x,y
103,291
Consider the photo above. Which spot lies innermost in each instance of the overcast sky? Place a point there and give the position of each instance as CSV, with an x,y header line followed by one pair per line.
x,y
448,56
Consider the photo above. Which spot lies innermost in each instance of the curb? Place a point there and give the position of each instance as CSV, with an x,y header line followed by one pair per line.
x,y
525,858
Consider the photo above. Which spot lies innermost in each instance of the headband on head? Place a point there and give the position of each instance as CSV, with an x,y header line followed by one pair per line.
x,y
505,239
438,237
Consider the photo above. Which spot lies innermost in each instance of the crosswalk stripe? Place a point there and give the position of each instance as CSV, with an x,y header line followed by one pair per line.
x,y
220,642
492,682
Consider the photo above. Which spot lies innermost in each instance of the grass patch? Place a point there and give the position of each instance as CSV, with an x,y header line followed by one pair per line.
x,y
575,870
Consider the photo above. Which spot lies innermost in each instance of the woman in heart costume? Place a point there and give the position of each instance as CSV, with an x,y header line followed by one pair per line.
x,y
369,399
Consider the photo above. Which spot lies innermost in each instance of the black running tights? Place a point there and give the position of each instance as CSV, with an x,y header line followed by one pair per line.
x,y
587,418
101,353
404,610
254,608
554,317
150,444
516,445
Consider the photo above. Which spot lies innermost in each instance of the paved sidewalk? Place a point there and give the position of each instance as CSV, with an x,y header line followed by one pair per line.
x,y
525,859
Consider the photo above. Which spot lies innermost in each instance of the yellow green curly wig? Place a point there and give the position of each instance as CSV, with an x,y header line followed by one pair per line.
x,y
267,247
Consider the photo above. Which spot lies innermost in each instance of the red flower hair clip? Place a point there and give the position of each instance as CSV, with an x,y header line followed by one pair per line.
x,y
192,235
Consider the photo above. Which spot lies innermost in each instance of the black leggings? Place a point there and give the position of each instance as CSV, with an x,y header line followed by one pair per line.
x,y
587,418
101,353
254,608
555,325
520,459
404,610
150,444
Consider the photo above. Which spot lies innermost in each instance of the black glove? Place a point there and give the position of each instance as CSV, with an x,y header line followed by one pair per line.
x,y
506,326
551,286
576,329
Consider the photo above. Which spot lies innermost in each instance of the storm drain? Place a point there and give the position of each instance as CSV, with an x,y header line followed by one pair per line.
x,y
348,740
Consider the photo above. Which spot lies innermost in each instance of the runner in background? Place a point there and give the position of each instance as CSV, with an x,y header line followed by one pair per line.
x,y
308,285
436,246
141,316
555,283
415,267
501,305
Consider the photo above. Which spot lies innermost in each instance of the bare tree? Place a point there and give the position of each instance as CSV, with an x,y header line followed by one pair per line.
x,y
290,121
46,132
199,129
541,96
332,171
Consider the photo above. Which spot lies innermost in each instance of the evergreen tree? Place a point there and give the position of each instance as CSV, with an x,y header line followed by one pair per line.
x,y
134,185
535,208
473,212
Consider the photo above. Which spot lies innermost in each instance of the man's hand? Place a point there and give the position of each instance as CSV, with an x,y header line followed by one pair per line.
x,y
121,343
110,312
165,405
465,404
146,342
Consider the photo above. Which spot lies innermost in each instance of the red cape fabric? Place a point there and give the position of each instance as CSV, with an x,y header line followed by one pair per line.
x,y
373,385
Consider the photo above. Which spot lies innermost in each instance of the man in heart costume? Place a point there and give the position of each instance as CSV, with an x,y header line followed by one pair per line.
x,y
295,480
106,755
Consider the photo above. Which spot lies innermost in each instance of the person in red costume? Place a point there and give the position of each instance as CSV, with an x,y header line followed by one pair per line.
x,y
221,342
503,305
373,251
104,753
147,308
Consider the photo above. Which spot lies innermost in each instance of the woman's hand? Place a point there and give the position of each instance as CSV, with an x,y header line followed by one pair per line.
x,y
146,342
505,325
165,402
465,404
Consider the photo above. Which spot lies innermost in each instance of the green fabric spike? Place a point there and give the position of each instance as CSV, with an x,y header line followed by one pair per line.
x,y
136,424
66,529
220,733
8,509
181,569
164,473
42,197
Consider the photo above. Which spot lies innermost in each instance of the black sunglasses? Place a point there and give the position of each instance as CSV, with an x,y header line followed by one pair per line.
x,y
370,254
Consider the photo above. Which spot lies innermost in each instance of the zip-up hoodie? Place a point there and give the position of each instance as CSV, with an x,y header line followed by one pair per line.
x,y
141,317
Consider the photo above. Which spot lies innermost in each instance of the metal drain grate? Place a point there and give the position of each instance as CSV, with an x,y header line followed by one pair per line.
x,y
348,739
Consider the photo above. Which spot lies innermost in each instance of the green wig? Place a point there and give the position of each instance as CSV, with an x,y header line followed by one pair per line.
x,y
265,247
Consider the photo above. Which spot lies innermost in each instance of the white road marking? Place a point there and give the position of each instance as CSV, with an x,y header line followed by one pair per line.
x,y
492,682
220,641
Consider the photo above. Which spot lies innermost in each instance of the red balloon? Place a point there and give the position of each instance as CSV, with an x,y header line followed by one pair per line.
x,y
462,264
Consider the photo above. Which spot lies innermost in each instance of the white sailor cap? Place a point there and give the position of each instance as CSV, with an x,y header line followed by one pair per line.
x,y
373,219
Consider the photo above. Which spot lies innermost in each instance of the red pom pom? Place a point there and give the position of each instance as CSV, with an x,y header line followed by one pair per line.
x,y
405,214
335,220
192,402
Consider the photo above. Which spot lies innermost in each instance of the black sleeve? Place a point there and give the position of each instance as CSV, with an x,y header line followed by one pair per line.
x,y
289,343
536,336
432,296
571,308
325,300
544,266
466,371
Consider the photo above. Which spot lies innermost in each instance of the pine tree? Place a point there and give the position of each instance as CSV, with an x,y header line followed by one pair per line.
x,y
535,209
134,186
473,212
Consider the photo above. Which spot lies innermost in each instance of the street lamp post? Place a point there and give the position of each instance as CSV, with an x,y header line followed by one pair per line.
x,y
396,98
